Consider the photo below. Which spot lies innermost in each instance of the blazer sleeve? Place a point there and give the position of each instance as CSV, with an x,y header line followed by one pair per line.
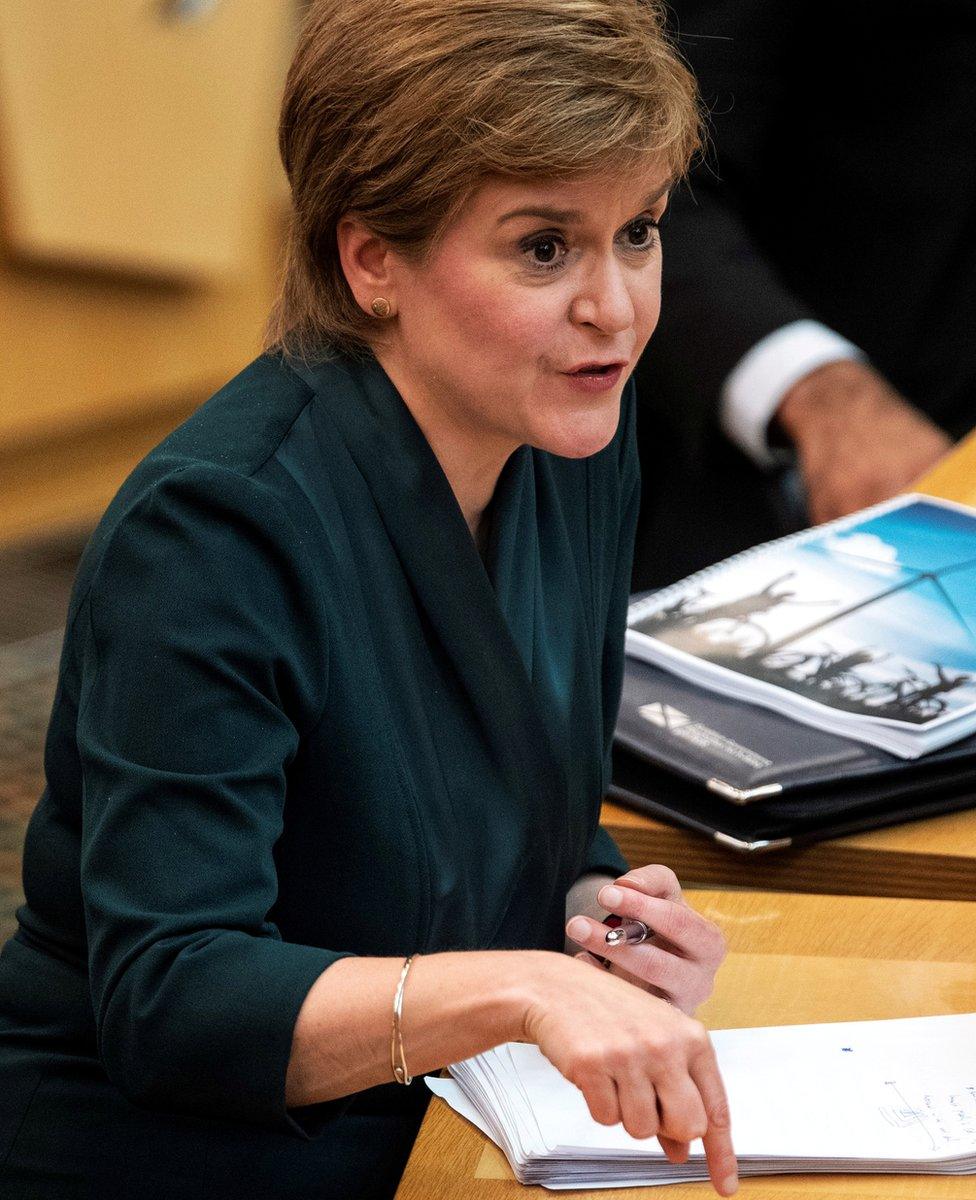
x,y
202,664
604,857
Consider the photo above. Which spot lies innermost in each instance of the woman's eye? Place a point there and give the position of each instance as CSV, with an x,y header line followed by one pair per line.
x,y
640,234
545,251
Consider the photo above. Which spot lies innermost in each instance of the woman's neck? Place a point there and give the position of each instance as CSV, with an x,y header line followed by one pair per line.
x,y
471,458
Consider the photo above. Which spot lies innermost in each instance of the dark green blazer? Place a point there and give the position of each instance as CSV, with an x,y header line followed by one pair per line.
x,y
297,718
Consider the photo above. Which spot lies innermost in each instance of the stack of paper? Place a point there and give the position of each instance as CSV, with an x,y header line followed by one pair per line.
x,y
877,1096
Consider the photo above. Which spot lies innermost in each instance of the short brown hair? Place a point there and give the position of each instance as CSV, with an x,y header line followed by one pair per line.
x,y
397,110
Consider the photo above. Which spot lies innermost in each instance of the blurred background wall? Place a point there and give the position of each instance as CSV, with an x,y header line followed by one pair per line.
x,y
141,211
141,207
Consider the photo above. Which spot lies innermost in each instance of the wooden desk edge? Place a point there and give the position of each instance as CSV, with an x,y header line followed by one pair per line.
x,y
848,866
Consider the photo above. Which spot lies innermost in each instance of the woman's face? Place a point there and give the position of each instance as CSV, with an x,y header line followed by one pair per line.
x,y
526,319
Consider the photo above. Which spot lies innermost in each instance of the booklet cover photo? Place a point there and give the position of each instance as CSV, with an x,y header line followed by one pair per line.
x,y
865,626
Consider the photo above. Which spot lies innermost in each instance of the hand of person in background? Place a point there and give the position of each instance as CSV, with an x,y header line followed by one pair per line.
x,y
679,961
857,440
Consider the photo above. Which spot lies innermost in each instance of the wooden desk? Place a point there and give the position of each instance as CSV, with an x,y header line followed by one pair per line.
x,y
792,959
934,859
954,478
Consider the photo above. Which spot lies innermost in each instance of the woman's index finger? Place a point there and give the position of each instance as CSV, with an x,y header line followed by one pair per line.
x,y
717,1140
654,880
670,919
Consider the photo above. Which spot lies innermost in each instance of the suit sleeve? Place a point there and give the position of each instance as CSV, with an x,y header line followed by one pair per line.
x,y
202,666
721,291
720,296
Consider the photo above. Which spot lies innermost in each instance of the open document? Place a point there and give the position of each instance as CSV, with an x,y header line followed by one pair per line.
x,y
865,627
878,1096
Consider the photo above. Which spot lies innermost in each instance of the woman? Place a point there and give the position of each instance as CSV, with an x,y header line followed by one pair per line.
x,y
343,657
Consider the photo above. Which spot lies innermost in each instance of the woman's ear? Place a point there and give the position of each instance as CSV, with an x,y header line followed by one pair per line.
x,y
367,262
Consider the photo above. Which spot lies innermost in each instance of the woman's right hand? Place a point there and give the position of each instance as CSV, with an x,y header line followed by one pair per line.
x,y
636,1059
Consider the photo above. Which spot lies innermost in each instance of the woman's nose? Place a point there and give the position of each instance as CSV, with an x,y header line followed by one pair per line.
x,y
604,301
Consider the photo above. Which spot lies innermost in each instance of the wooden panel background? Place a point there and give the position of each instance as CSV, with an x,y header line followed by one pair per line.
x,y
130,135
141,213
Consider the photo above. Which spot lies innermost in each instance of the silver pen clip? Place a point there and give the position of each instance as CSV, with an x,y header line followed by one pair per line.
x,y
627,933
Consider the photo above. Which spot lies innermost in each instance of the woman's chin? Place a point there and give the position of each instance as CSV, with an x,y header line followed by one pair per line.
x,y
581,437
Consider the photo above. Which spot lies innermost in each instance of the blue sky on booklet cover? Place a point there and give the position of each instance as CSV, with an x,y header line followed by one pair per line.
x,y
860,589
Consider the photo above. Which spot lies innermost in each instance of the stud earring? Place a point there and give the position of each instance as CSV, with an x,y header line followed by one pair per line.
x,y
381,307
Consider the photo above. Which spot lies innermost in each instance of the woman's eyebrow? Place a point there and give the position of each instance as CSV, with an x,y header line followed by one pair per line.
x,y
559,216
571,216
655,196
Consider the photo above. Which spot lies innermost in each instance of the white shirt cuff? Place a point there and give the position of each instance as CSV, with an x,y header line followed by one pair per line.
x,y
754,388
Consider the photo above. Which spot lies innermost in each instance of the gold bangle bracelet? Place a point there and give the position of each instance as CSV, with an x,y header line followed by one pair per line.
x,y
397,1060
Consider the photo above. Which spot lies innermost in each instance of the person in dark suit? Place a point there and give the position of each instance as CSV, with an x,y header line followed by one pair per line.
x,y
343,657
815,352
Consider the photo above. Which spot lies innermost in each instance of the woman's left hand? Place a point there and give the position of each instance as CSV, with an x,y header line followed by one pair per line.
x,y
678,961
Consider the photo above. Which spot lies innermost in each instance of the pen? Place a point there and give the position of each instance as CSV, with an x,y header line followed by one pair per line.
x,y
626,933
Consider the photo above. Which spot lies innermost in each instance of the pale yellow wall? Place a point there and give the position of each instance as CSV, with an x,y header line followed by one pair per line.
x,y
141,207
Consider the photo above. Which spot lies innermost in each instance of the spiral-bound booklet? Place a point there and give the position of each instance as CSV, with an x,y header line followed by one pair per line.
x,y
864,628
745,754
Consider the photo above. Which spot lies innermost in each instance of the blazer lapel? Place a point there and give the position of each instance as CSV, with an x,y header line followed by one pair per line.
x,y
425,524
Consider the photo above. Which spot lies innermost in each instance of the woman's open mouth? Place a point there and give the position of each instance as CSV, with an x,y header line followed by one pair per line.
x,y
596,377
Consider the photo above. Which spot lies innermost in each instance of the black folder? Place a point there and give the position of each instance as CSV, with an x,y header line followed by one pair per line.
x,y
755,780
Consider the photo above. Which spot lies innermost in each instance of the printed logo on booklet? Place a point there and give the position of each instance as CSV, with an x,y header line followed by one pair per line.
x,y
709,741
664,715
